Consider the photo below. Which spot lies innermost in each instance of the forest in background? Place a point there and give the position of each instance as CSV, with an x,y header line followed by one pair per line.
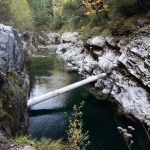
x,y
62,15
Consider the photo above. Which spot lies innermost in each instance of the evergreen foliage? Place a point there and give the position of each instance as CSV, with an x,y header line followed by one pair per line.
x,y
21,15
69,14
5,14
42,12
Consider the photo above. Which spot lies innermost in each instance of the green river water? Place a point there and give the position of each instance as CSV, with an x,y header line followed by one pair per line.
x,y
50,118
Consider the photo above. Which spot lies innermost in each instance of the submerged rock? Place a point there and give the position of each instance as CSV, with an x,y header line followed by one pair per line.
x,y
127,64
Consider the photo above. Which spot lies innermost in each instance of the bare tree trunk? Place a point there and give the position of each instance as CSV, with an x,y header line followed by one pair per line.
x,y
39,99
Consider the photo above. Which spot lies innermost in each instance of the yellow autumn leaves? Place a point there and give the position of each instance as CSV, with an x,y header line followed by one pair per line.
x,y
94,6
90,2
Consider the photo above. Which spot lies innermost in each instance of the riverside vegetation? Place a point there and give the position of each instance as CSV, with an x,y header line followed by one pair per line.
x,y
77,139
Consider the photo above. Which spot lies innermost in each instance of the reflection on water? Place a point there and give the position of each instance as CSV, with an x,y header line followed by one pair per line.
x,y
45,84
50,118
49,125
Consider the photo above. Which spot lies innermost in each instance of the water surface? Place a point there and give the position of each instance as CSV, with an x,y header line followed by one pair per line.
x,y
50,118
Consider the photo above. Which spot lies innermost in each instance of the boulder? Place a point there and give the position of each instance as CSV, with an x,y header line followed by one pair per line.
x,y
98,41
108,61
68,37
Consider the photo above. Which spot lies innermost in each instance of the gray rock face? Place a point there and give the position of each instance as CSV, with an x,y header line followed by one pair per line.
x,y
126,63
73,55
14,83
136,59
69,37
11,50
108,61
98,41
53,37
132,98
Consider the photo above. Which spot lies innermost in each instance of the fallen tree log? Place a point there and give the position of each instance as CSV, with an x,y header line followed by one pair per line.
x,y
39,99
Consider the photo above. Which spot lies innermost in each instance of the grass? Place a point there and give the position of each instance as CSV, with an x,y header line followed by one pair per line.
x,y
21,141
43,144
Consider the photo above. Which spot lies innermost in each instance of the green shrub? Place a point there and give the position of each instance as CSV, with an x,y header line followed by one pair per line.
x,y
77,139
20,140
43,144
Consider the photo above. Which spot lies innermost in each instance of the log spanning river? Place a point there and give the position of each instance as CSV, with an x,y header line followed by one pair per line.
x,y
50,118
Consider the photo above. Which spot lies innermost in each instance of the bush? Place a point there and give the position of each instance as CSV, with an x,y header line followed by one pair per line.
x,y
43,144
76,138
126,7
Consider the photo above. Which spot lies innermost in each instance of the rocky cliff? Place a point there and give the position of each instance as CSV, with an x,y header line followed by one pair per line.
x,y
126,60
14,83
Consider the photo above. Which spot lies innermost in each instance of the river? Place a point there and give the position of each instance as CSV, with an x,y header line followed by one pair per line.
x,y
50,118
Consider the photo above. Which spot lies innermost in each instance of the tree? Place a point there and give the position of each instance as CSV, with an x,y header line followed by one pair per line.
x,y
21,15
42,12
5,13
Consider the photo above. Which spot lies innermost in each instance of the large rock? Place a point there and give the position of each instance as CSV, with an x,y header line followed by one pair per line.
x,y
11,50
98,41
69,37
53,37
13,82
136,59
108,61
127,63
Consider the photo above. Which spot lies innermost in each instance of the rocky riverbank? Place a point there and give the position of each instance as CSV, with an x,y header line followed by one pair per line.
x,y
126,60
14,85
